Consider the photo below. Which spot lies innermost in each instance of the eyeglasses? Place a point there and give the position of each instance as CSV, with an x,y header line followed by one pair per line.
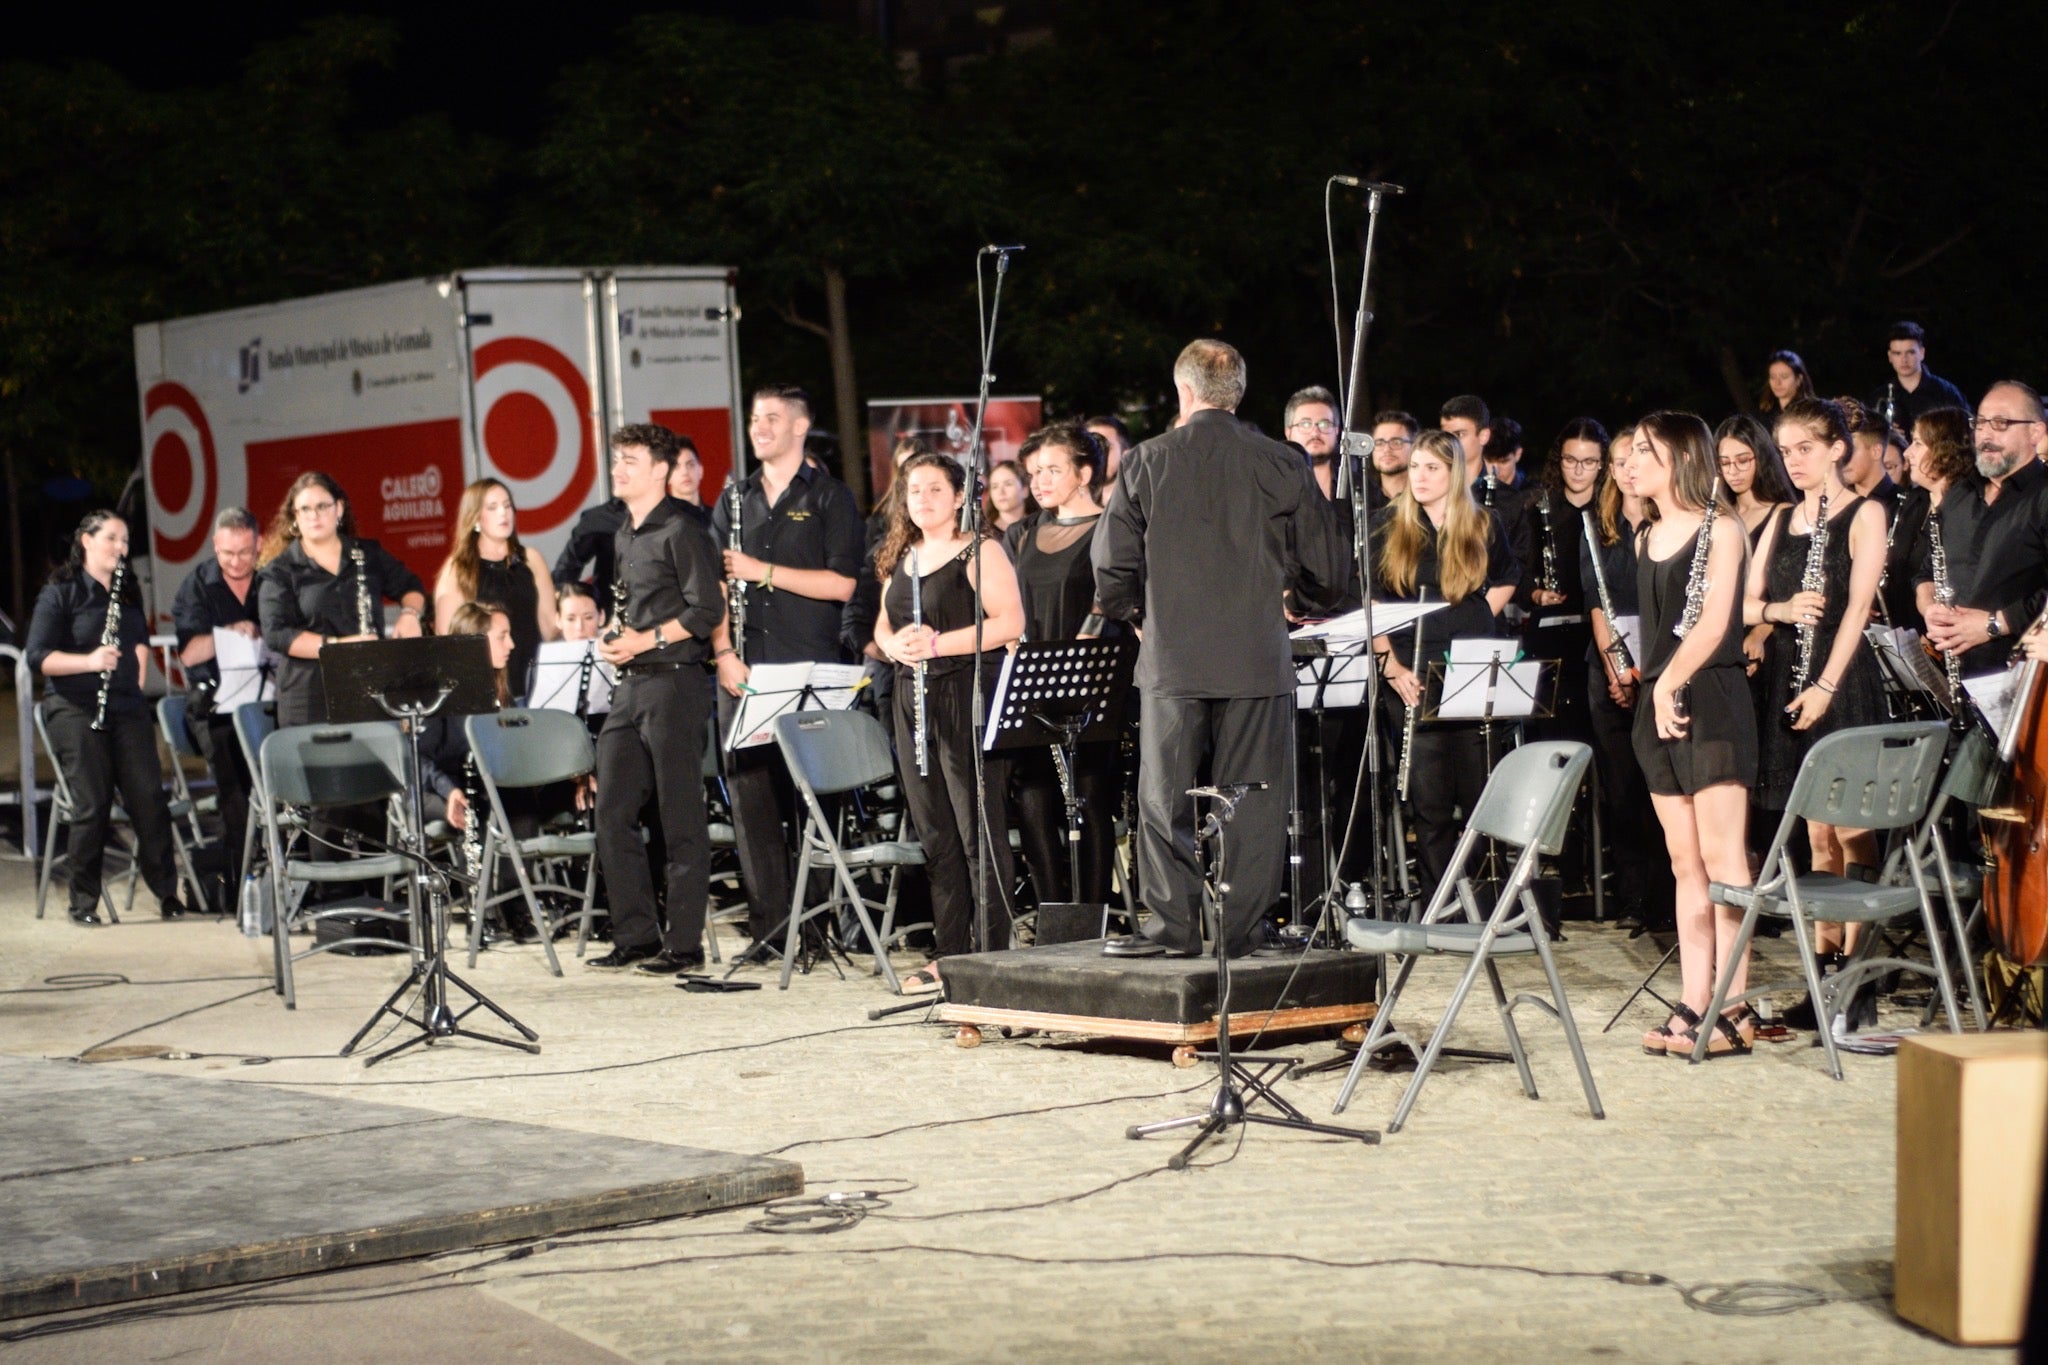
x,y
315,509
1591,466
1322,427
2002,424
1739,462
1396,442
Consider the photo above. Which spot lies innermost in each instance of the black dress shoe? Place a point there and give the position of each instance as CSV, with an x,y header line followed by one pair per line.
x,y
172,908
622,956
666,963
89,916
1142,945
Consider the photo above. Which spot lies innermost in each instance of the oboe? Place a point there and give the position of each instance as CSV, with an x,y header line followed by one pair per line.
x,y
1617,648
1414,710
735,500
1696,572
583,671
355,557
1549,583
110,634
917,713
1945,595
1812,579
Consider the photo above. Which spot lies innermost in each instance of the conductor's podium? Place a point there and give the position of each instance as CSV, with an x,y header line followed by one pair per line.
x,y
1073,988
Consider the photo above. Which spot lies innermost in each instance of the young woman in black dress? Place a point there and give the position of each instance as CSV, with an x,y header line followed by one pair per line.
x,y
1695,734
924,531
1841,686
1057,583
488,563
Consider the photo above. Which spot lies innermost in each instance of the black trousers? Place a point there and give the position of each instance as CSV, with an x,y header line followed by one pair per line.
x,y
1447,772
1643,885
1042,820
101,765
1336,759
216,738
1241,739
765,823
652,744
942,806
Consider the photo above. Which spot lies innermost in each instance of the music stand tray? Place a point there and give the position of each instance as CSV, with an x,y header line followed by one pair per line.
x,y
408,681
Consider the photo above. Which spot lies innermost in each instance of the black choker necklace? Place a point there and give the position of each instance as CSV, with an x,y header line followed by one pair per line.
x,y
1075,521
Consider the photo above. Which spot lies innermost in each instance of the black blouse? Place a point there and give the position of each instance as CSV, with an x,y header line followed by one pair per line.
x,y
70,617
296,594
508,583
1058,585
1470,619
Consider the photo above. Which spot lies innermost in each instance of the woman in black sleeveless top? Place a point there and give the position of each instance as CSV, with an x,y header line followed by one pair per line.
x,y
1842,687
1057,581
488,563
1695,734
924,531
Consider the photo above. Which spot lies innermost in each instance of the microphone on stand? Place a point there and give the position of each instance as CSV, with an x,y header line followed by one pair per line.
x,y
1377,186
995,250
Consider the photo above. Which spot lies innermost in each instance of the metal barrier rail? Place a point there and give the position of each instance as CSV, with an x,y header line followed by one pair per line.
x,y
25,747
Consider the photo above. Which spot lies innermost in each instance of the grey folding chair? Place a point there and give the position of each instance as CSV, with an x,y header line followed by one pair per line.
x,y
254,722
519,750
1527,805
314,767
830,753
63,809
725,843
1874,777
186,832
1971,779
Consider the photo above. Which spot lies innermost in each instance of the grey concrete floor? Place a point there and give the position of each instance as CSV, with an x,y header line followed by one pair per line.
x,y
1020,1223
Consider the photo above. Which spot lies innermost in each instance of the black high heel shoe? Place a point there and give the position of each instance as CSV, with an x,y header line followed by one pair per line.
x,y
1692,1022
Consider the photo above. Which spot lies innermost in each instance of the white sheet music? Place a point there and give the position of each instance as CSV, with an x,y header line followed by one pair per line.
x,y
1348,671
1994,694
1474,690
1387,617
1630,629
1907,661
1483,652
773,689
558,671
248,670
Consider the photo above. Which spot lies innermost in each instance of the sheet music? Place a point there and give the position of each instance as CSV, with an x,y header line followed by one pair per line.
x,y
1994,693
1483,652
774,689
1469,687
1387,617
1630,630
557,667
1907,661
1349,674
248,670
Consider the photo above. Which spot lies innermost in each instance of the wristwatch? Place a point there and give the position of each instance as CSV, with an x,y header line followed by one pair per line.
x,y
1992,628
660,642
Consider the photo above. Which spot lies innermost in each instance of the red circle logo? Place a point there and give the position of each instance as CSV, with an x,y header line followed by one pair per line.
x,y
521,436
172,476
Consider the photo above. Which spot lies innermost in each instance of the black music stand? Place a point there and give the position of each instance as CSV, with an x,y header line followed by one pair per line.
x,y
408,681
1064,693
1318,670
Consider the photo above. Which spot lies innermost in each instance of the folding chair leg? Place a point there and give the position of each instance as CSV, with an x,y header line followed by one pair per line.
x,y
793,932
280,929
1427,1060
1935,950
1962,937
49,863
1571,1029
588,911
1507,1023
480,895
539,916
1380,1031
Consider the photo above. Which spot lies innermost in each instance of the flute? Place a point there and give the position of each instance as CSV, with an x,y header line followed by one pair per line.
x,y
917,727
1414,710
110,634
1617,648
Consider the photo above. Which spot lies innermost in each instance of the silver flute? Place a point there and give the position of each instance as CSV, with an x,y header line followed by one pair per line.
x,y
1696,573
735,499
1414,711
1814,578
1617,648
110,634
1945,595
1549,580
355,557
917,702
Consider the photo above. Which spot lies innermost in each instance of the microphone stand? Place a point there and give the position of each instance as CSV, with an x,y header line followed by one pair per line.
x,y
1354,447
970,523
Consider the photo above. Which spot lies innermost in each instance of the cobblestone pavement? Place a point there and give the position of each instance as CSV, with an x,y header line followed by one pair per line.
x,y
1022,1224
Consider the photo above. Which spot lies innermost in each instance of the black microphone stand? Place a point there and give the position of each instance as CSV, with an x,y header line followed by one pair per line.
x,y
970,523
1354,454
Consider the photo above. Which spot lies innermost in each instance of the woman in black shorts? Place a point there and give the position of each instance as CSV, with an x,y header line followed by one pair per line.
x,y
1696,740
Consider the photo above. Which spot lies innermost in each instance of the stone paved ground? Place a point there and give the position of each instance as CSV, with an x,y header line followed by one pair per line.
x,y
996,1248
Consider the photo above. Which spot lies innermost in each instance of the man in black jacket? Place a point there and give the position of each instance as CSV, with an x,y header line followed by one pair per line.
x,y
1916,389
1209,525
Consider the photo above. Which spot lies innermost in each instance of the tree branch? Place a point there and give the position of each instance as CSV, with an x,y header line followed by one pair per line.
x,y
1928,255
787,312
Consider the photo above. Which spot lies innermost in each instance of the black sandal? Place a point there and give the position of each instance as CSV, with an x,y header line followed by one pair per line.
x,y
1692,1021
1731,1031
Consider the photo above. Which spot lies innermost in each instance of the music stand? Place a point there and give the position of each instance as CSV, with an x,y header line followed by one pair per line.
x,y
568,676
1329,673
1064,693
408,681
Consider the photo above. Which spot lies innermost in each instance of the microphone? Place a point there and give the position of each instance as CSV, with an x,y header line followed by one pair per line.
x,y
1377,186
998,250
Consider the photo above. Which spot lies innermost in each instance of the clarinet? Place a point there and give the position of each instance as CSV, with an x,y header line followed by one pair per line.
x,y
917,728
1549,582
110,634
1812,579
355,557
583,671
1414,712
618,626
1617,648
472,831
1696,573
1945,595
737,593
1491,483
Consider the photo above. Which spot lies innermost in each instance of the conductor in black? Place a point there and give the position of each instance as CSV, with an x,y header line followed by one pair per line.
x,y
1210,525
652,744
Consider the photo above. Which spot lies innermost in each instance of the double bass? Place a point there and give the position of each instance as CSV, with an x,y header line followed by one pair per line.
x,y
2015,822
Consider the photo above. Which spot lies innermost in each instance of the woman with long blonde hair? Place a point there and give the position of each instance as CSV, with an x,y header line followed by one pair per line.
x,y
487,562
1438,545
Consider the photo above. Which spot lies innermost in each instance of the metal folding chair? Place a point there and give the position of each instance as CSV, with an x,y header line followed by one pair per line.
x,y
725,842
1971,779
1874,777
254,721
187,834
314,767
831,753
520,750
1527,805
63,809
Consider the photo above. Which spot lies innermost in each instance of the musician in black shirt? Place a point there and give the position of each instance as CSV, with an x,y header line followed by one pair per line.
x,y
1208,527
321,584
652,744
1467,418
220,595
591,542
64,646
1994,528
801,539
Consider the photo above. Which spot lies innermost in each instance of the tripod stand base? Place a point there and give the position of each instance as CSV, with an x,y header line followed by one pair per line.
x,y
435,1018
1242,1087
